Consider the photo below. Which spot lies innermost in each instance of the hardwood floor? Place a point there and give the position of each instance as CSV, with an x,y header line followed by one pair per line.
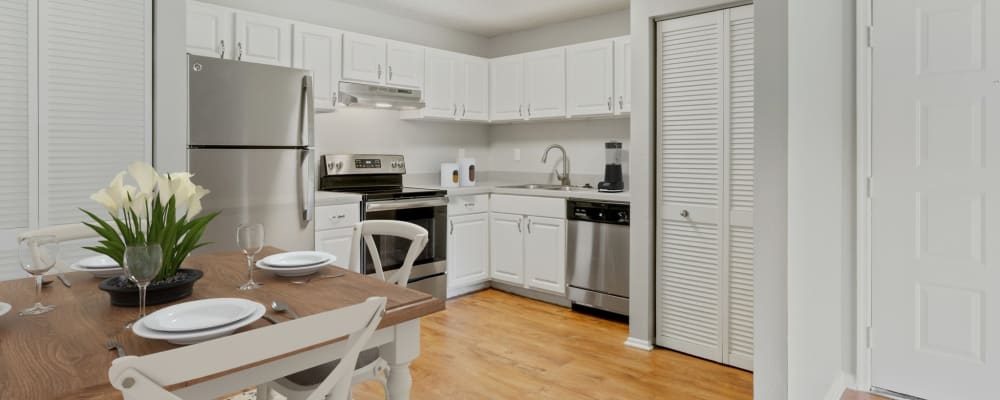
x,y
494,345
853,395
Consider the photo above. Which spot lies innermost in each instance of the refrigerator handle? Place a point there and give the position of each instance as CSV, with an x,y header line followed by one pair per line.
x,y
307,130
307,181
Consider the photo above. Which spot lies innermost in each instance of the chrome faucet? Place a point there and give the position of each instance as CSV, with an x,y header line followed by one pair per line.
x,y
564,177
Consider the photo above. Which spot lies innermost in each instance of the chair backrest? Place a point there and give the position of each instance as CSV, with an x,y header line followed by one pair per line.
x,y
146,377
365,230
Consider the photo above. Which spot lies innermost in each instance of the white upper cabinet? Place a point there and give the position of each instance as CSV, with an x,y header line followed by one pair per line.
x,y
545,83
475,86
590,78
440,83
364,58
404,64
623,75
506,84
263,39
210,30
317,48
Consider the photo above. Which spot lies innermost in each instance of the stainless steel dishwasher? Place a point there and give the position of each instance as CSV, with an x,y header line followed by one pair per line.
x,y
597,256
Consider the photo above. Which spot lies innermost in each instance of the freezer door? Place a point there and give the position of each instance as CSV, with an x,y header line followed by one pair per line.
x,y
234,103
274,187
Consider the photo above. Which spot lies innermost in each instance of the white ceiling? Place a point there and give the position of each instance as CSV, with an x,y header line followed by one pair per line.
x,y
492,17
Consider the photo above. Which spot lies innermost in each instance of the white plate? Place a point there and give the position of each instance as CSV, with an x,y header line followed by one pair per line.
x,y
4,308
298,259
199,314
98,272
193,337
97,262
292,271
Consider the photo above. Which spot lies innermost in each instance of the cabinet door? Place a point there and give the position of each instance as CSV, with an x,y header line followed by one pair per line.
x,y
263,39
590,78
506,83
364,58
439,84
210,30
468,249
545,254
545,83
507,248
405,64
475,89
317,49
337,242
623,75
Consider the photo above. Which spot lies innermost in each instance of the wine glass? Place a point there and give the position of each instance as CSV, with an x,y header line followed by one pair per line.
x,y
142,264
38,254
250,238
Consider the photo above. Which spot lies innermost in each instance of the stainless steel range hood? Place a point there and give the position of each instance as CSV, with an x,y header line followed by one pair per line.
x,y
381,97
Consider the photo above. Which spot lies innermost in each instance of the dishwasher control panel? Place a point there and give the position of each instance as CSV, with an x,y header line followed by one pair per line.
x,y
598,211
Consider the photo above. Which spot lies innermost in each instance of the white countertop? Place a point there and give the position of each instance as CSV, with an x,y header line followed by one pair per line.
x,y
496,188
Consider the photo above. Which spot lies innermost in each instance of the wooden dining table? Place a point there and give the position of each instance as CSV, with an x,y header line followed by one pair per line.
x,y
62,354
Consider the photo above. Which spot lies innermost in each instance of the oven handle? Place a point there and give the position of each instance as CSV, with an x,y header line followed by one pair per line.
x,y
405,204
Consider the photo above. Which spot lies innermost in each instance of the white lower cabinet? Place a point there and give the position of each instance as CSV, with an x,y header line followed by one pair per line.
x,y
507,248
335,230
528,242
545,254
468,249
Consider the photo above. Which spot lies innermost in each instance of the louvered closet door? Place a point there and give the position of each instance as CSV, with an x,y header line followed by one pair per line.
x,y
18,137
739,349
95,86
705,232
691,138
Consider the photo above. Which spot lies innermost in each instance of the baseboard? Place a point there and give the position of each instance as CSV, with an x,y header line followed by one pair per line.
x,y
639,344
464,290
837,387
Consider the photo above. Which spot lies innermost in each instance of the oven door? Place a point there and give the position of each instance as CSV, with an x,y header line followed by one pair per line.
x,y
429,213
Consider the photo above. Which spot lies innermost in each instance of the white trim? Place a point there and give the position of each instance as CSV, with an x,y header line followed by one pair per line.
x,y
466,289
837,387
640,344
149,49
33,90
863,280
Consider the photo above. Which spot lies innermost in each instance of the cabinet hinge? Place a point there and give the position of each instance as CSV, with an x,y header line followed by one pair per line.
x,y
868,337
870,33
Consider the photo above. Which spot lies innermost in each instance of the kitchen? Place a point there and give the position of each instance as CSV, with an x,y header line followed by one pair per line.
x,y
579,182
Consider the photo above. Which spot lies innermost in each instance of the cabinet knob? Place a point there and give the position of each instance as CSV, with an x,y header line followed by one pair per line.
x,y
379,72
452,222
222,48
609,103
685,214
621,103
239,51
390,72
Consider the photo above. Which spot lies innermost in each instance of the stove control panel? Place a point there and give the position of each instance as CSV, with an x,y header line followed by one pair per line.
x,y
363,164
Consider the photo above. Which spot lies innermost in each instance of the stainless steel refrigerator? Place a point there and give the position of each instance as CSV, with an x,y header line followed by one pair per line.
x,y
250,141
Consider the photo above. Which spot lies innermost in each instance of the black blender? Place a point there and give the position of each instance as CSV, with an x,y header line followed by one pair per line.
x,y
613,181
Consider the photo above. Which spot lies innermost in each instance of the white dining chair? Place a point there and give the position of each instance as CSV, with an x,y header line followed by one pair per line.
x,y
62,233
370,366
261,349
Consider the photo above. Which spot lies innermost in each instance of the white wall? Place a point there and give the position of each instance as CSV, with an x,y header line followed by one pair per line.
x,y
425,145
169,90
357,19
583,139
554,35
821,217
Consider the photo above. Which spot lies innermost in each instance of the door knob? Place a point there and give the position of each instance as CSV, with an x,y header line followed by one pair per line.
x,y
685,214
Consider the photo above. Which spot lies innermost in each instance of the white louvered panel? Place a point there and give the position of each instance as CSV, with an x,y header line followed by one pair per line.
x,y
15,130
691,112
688,308
95,84
740,297
741,124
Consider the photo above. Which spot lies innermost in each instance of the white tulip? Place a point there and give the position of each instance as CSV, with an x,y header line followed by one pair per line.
x,y
183,190
139,203
103,198
145,175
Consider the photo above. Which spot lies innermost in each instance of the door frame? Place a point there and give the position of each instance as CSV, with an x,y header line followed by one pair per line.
x,y
863,93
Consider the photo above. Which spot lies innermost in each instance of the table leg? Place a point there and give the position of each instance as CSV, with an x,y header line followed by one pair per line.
x,y
403,349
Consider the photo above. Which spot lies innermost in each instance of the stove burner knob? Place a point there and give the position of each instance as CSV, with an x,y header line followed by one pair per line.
x,y
394,164
338,165
401,165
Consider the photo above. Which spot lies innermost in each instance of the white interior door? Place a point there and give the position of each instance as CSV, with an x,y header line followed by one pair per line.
x,y
935,198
